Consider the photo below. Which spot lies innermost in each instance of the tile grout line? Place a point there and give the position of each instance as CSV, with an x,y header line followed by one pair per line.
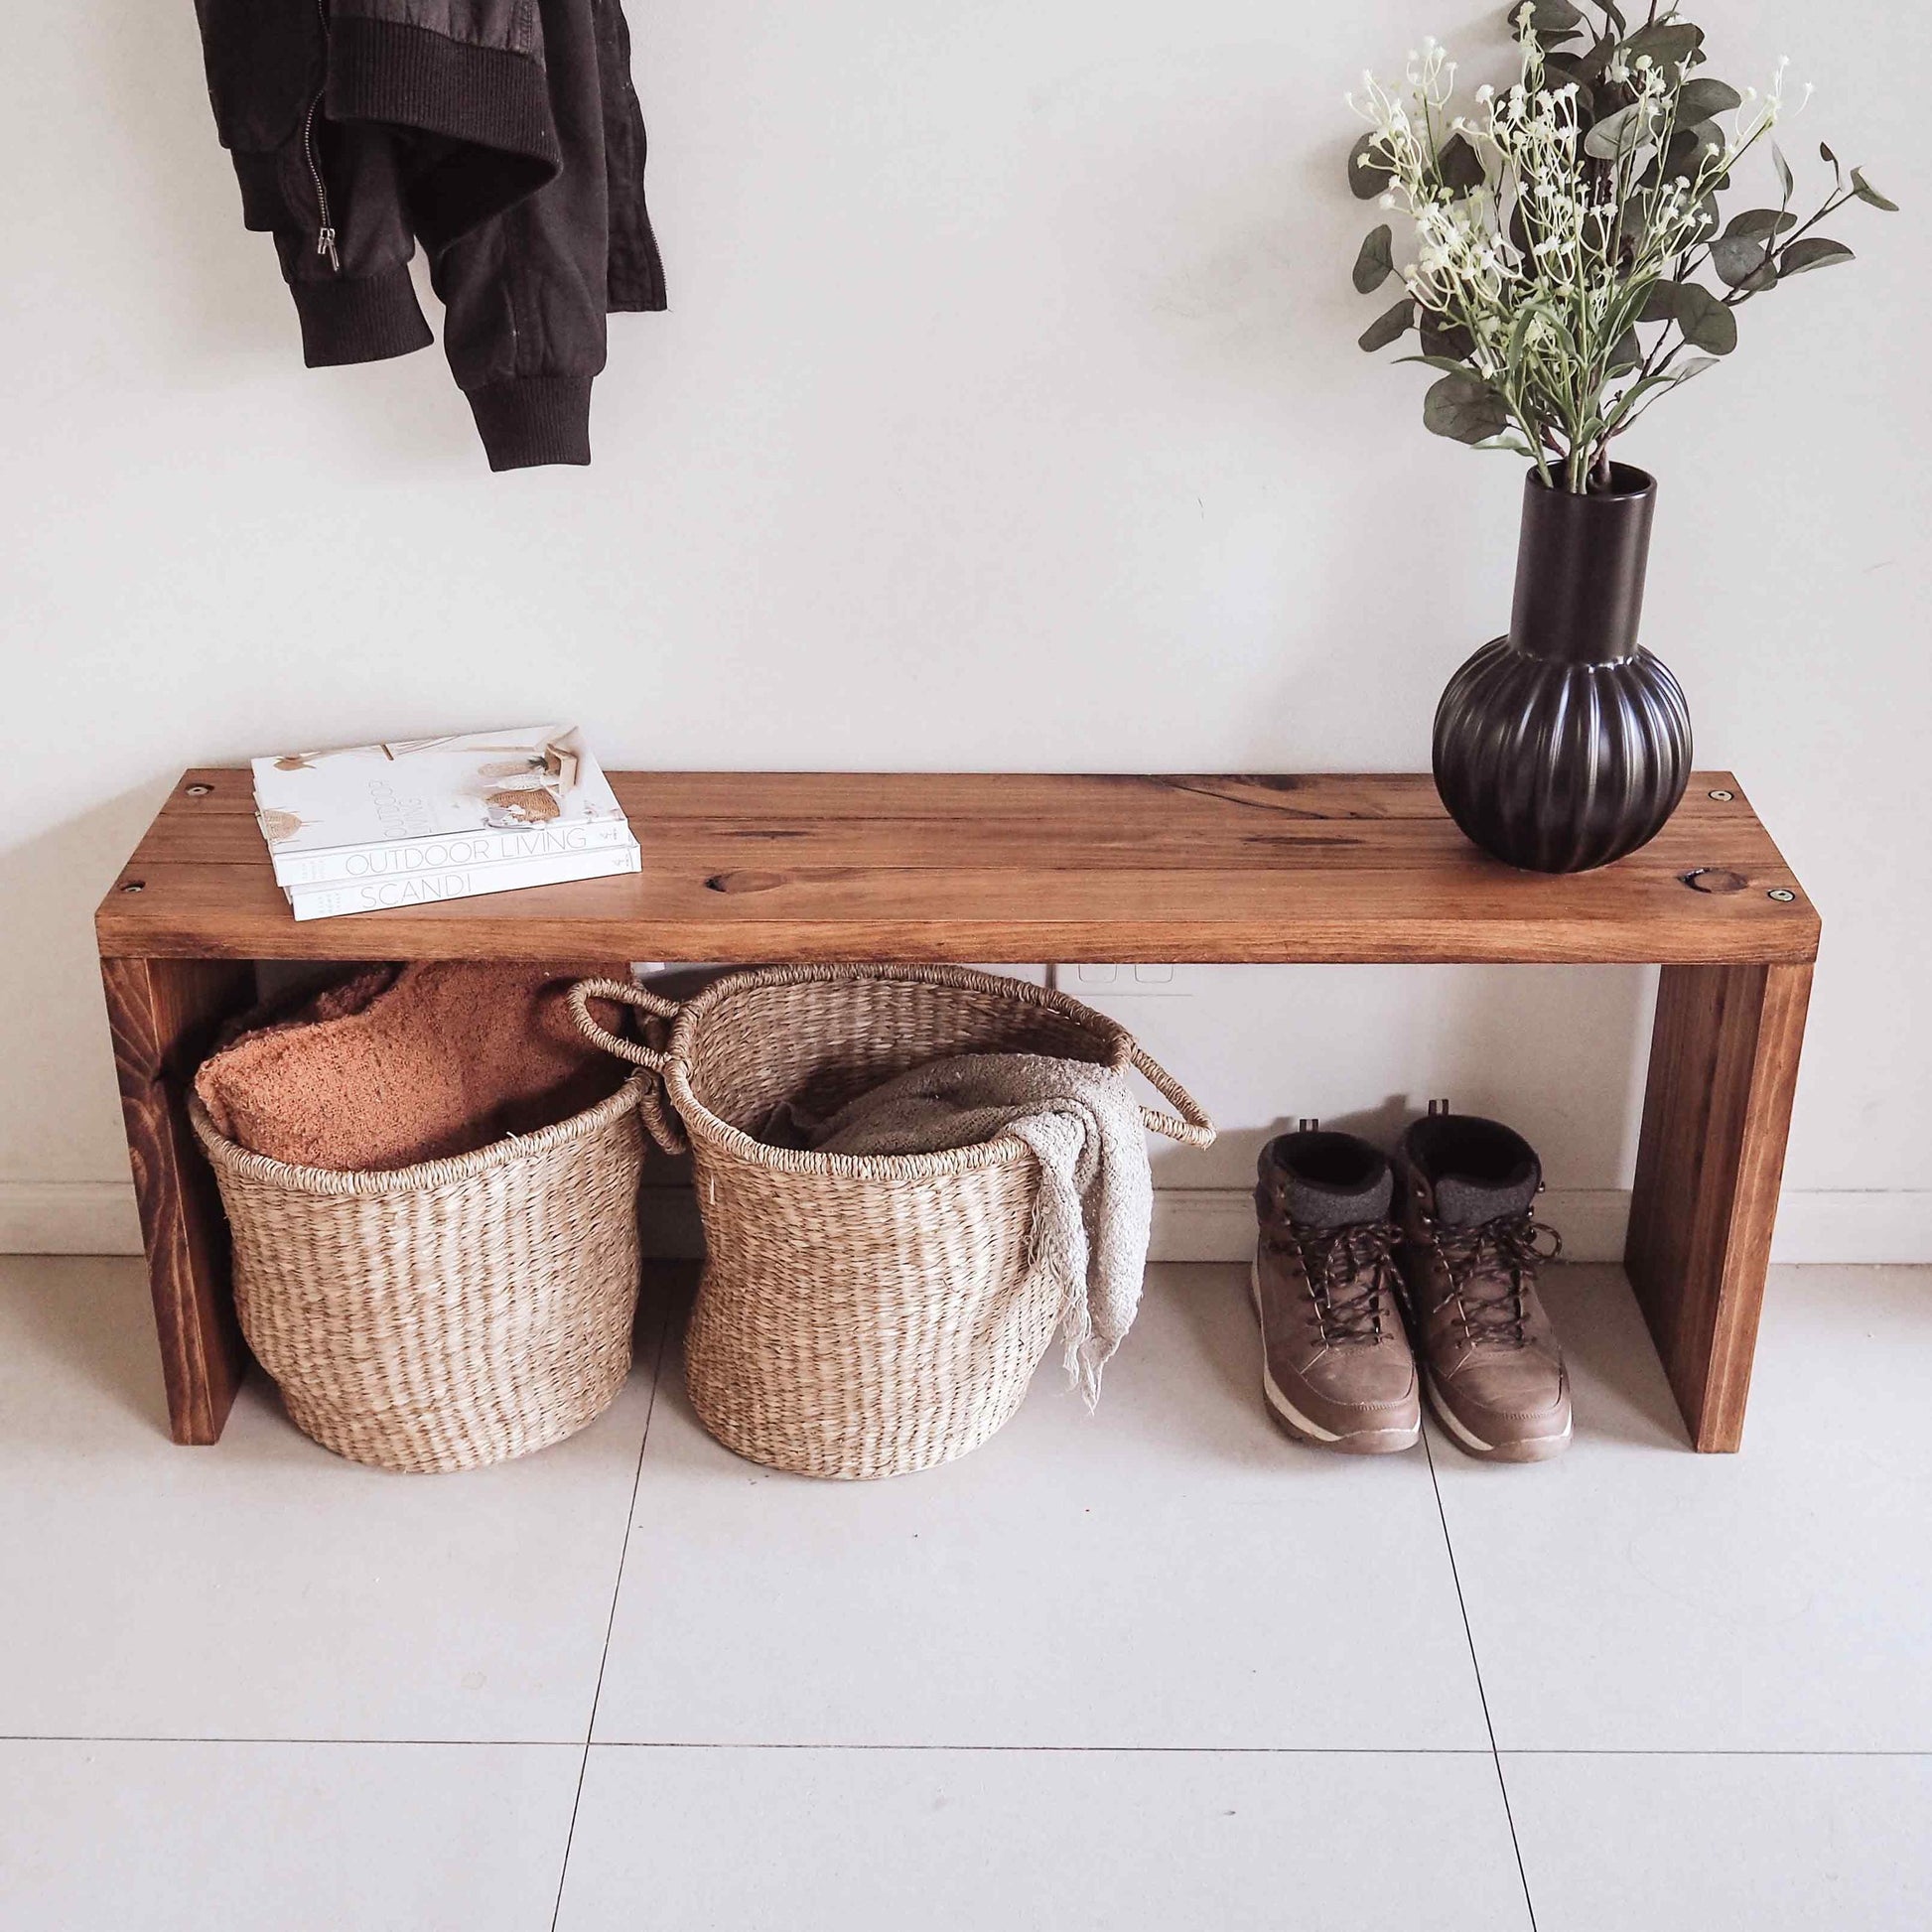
x,y
1064,1750
1482,1695
1704,1751
610,1622
265,1744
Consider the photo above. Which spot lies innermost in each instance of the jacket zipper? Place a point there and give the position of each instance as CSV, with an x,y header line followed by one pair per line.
x,y
326,230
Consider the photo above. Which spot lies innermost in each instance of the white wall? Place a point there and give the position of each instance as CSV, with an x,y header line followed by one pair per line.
x,y
1008,415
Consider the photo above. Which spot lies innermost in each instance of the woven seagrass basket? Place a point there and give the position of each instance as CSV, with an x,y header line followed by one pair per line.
x,y
861,1314
450,1314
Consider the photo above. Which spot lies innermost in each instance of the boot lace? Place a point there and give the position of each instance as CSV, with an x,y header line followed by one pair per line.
x,y
1488,1267
1351,1271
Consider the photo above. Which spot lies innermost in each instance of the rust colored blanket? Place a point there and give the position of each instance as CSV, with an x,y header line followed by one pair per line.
x,y
399,1065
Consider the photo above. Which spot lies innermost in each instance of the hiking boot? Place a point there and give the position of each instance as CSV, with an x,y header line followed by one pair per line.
x,y
1469,1257
1336,1364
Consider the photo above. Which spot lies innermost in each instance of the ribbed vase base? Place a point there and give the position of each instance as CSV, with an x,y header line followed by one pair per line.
x,y
1559,766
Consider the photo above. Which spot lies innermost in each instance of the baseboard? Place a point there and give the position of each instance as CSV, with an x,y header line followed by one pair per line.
x,y
1851,1224
1814,1225
96,1217
1218,1223
69,1217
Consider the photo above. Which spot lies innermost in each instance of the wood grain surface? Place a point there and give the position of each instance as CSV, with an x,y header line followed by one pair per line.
x,y
810,865
164,1014
1723,1063
800,866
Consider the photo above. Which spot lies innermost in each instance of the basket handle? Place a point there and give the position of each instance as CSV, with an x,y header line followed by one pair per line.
x,y
663,1125
1193,1126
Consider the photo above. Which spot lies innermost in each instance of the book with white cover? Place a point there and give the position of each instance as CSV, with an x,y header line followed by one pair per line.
x,y
410,791
459,882
404,858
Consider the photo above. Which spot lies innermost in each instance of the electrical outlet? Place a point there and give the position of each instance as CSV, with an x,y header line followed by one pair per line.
x,y
1126,981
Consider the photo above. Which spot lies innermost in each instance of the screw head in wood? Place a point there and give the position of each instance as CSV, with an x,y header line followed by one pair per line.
x,y
135,885
200,792
1723,797
1782,893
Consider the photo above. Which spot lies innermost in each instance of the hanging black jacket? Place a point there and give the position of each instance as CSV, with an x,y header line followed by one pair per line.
x,y
506,134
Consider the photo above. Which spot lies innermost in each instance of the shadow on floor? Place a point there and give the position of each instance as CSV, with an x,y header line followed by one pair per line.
x,y
1620,1391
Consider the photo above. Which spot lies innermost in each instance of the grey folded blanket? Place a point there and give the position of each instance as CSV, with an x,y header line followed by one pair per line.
x,y
1095,1202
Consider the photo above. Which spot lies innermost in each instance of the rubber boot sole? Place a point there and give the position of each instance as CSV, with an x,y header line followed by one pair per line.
x,y
1530,1448
1360,1441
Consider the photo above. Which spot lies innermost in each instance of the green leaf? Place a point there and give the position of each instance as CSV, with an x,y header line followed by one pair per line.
x,y
1669,43
1457,165
1374,264
1552,21
1660,304
1784,171
1691,136
1706,322
1617,136
1814,251
1759,223
1735,259
1527,317
1464,407
1626,403
1825,153
1389,327
1640,395
1590,65
1627,354
1698,100
1691,152
1444,362
1367,176
1864,190
1557,19
1566,68
1449,338
1519,226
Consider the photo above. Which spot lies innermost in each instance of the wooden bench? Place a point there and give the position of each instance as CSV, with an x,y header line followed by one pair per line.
x,y
737,867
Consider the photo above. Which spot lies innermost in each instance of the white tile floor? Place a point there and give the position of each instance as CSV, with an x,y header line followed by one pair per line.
x,y
1160,1669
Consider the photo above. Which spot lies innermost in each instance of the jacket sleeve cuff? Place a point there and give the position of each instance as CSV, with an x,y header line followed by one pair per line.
x,y
493,103
534,419
361,320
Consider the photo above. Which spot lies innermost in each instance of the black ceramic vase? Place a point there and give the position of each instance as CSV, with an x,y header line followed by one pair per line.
x,y
1566,744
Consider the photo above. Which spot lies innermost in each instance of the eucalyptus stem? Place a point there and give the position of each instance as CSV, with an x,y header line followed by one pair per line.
x,y
1585,220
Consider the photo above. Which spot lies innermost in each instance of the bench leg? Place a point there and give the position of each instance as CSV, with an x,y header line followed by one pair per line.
x,y
164,1014
1723,1060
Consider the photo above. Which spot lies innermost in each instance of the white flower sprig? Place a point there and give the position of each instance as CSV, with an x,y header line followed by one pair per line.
x,y
1559,216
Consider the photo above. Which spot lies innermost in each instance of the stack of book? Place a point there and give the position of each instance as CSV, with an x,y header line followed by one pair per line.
x,y
423,819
